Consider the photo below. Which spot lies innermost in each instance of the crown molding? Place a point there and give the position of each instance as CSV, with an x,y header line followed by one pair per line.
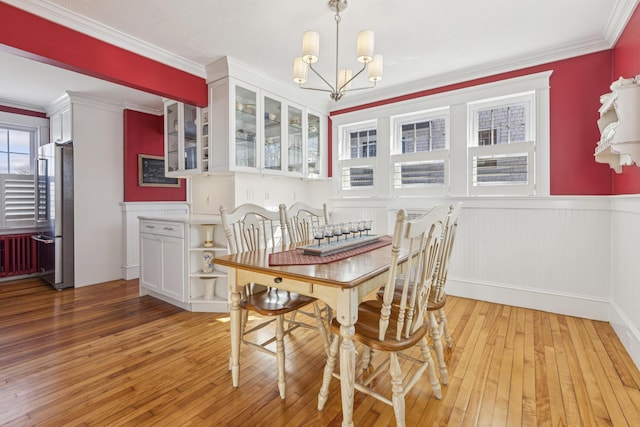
x,y
513,63
29,107
90,27
620,15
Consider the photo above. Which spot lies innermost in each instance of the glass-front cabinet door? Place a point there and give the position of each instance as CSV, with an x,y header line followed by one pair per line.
x,y
314,146
272,148
190,137
172,137
246,128
182,139
294,140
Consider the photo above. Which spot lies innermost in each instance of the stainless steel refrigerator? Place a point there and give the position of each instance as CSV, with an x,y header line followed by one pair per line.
x,y
54,214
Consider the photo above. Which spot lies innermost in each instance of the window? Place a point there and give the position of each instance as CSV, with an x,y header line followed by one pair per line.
x,y
420,155
17,189
489,139
358,157
501,145
15,150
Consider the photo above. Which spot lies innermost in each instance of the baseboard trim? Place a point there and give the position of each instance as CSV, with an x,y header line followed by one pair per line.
x,y
567,304
627,332
130,272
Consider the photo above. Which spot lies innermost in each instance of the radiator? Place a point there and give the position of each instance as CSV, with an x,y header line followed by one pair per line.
x,y
17,255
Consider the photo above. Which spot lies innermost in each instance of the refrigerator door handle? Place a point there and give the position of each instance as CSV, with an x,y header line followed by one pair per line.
x,y
43,239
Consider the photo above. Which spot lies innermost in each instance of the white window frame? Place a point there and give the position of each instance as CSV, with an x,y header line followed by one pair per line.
x,y
397,157
497,151
16,190
459,121
345,161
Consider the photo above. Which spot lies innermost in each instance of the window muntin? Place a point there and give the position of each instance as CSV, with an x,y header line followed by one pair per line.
x,y
502,125
425,135
362,144
15,150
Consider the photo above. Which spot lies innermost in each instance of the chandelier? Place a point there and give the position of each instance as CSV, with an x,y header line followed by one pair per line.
x,y
344,76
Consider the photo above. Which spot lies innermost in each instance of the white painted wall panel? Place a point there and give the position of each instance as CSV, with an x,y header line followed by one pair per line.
x,y
625,272
98,191
545,253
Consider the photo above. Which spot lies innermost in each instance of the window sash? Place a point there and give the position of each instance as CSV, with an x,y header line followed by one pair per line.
x,y
429,172
511,166
357,174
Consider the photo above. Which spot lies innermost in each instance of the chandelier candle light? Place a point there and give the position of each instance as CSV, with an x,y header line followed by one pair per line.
x,y
344,76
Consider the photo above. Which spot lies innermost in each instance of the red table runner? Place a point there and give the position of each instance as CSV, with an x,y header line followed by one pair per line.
x,y
297,256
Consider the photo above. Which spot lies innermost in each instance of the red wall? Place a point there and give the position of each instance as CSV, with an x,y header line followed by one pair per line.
x,y
626,63
14,110
144,134
33,37
576,86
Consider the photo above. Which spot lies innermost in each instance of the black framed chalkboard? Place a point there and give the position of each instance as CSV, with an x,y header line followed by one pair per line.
x,y
151,172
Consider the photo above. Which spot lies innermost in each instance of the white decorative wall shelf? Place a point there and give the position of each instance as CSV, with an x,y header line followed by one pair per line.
x,y
619,125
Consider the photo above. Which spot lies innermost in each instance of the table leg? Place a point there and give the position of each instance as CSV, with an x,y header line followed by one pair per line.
x,y
235,319
347,373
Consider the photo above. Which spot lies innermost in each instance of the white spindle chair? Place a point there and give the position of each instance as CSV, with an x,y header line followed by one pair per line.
x,y
251,227
398,327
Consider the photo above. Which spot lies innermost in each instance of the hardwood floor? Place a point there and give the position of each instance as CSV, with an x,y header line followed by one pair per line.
x,y
101,355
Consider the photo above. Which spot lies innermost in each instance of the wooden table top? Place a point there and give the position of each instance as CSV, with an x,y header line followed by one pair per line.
x,y
345,273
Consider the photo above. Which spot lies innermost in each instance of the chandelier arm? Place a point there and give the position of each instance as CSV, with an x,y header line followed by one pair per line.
x,y
362,88
351,79
315,88
322,78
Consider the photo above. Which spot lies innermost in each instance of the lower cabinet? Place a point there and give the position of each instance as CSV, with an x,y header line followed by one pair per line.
x,y
176,263
162,254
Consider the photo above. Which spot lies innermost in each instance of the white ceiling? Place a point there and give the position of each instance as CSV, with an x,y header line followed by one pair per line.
x,y
425,43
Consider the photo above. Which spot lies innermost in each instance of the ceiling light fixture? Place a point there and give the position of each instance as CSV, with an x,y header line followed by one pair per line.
x,y
344,76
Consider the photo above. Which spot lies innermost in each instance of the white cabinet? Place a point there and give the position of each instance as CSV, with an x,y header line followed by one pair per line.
x,y
253,130
60,125
182,139
162,261
176,262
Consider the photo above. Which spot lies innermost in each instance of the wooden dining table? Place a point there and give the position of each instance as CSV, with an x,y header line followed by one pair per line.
x,y
341,284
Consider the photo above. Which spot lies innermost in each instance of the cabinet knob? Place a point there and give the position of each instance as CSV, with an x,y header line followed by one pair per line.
x,y
277,280
149,226
169,228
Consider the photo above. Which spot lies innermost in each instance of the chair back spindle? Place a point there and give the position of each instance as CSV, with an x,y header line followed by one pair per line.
x,y
300,219
422,238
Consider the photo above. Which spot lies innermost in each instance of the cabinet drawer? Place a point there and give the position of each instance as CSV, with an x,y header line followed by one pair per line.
x,y
171,229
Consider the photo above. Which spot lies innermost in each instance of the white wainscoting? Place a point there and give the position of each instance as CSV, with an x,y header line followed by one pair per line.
x,y
544,253
574,255
130,213
625,272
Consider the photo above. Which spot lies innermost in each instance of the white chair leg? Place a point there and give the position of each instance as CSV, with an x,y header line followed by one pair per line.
x,y
397,397
444,328
328,372
280,354
431,370
437,346
321,327
366,358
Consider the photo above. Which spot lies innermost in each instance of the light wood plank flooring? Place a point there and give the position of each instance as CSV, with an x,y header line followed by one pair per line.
x,y
101,355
